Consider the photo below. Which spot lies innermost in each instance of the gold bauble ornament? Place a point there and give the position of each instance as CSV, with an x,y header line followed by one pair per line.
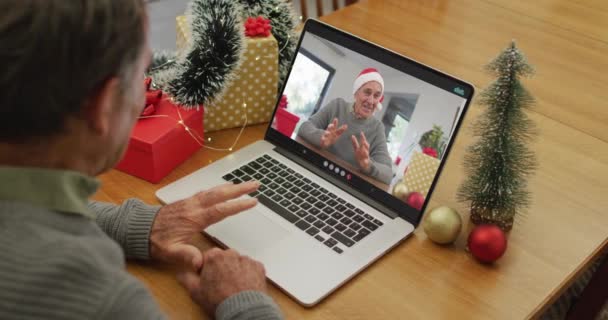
x,y
442,225
401,191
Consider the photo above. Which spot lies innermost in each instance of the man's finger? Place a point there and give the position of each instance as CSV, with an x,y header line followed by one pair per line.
x,y
225,209
335,122
190,281
211,253
225,192
364,140
341,129
189,254
326,135
355,142
232,253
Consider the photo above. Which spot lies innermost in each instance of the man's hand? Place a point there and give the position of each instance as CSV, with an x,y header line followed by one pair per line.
x,y
332,133
175,224
361,152
224,273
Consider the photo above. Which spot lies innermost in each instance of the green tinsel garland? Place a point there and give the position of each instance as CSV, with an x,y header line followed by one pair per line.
x,y
208,66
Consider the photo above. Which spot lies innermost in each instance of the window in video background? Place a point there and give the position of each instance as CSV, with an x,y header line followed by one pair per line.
x,y
309,80
396,119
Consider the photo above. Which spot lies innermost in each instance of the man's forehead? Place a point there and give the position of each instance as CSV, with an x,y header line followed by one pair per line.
x,y
372,85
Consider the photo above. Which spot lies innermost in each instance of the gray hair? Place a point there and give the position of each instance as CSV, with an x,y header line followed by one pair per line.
x,y
56,54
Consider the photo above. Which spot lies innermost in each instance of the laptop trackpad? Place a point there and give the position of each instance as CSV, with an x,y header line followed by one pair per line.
x,y
248,232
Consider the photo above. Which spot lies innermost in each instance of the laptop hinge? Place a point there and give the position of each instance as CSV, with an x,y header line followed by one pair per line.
x,y
339,184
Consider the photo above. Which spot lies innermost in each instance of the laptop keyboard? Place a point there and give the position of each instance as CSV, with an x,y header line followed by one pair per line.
x,y
313,209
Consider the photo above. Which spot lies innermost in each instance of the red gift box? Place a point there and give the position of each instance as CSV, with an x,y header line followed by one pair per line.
x,y
160,143
286,121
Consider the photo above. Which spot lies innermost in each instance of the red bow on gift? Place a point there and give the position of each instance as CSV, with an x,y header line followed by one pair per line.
x,y
430,152
153,97
283,102
257,27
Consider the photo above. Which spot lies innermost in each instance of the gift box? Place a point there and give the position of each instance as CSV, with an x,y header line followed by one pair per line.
x,y
285,122
184,34
162,141
420,173
252,95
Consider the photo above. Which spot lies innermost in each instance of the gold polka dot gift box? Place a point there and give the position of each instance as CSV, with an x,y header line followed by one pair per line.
x,y
252,96
420,173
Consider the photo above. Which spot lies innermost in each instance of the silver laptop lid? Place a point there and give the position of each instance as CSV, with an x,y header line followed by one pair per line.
x,y
371,121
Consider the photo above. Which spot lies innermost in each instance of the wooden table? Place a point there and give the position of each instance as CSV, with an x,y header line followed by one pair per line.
x,y
567,224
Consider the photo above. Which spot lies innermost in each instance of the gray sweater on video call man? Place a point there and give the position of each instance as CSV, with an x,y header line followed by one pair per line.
x,y
63,257
312,130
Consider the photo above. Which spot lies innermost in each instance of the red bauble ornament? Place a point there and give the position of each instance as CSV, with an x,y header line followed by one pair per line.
x,y
415,200
487,243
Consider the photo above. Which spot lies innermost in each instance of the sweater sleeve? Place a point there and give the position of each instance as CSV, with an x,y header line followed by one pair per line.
x,y
129,299
78,276
248,305
128,224
381,168
312,129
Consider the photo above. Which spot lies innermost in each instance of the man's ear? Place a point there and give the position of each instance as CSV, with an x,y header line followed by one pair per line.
x,y
99,108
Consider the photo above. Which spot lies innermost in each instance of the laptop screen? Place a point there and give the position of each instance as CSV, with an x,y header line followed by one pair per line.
x,y
372,120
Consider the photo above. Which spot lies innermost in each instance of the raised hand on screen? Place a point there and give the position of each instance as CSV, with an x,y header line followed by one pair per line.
x,y
361,152
332,133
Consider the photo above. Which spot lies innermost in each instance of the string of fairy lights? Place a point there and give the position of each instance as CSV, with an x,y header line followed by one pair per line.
x,y
195,134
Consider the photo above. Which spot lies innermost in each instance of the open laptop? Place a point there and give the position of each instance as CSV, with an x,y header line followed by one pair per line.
x,y
320,219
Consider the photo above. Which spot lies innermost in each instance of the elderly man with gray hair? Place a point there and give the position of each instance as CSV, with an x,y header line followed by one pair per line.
x,y
71,90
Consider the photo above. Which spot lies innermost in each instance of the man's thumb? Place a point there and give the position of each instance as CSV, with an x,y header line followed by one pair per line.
x,y
189,280
192,283
190,255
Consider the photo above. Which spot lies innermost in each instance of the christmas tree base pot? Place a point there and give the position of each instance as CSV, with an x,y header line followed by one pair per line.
x,y
478,217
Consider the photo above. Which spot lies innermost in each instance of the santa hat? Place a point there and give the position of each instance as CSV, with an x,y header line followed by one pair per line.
x,y
367,75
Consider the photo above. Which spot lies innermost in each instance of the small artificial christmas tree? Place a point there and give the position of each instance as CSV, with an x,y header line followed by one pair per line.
x,y
499,163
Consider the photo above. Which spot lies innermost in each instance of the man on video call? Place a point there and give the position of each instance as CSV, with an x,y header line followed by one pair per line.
x,y
71,90
350,131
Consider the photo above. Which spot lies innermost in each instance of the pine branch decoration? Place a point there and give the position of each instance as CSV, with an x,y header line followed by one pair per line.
x,y
161,60
217,45
499,163
162,69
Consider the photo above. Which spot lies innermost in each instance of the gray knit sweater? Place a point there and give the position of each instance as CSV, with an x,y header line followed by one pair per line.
x,y
57,261
313,129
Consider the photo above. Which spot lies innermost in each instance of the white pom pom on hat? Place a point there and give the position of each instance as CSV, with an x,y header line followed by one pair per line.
x,y
367,75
